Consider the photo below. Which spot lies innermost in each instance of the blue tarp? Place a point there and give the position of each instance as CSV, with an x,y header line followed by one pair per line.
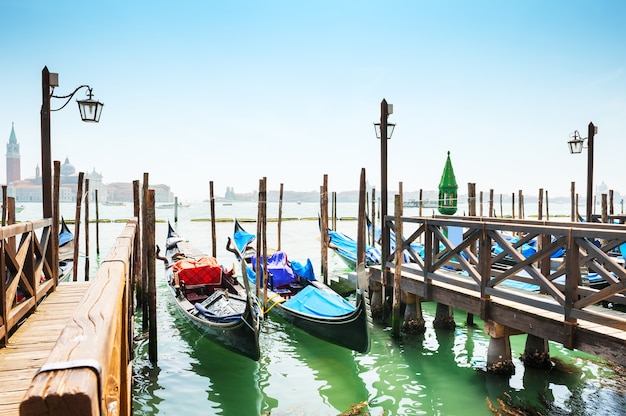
x,y
303,270
313,301
279,268
242,239
347,247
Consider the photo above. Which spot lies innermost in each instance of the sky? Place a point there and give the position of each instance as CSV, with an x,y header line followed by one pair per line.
x,y
234,91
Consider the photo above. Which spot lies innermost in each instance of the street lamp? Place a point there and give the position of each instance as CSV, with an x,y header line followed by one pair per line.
x,y
384,130
576,146
90,111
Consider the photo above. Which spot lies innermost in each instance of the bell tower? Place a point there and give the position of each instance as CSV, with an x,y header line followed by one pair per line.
x,y
13,158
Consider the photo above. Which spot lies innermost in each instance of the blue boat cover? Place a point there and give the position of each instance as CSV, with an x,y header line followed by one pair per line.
x,y
279,268
303,270
313,301
242,239
347,247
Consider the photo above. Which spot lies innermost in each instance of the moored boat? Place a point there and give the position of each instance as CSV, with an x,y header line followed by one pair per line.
x,y
211,298
295,295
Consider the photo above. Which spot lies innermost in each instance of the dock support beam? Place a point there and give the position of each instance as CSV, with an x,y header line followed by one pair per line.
x,y
413,318
444,317
499,360
376,302
536,353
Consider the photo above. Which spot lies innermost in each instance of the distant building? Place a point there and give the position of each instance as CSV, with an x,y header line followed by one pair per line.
x,y
13,158
29,190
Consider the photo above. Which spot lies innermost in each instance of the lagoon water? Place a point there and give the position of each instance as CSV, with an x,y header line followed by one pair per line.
x,y
438,373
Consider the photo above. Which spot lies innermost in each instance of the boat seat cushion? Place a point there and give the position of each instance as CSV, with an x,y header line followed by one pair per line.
x,y
202,271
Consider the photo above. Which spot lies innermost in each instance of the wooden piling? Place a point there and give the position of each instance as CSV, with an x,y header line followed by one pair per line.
x,y
79,199
396,319
540,205
151,273
492,213
573,202
280,216
137,259
56,185
97,224
361,225
86,196
324,230
536,353
444,317
213,233
144,259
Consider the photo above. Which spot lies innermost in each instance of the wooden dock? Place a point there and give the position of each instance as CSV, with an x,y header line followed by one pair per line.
x,y
30,346
460,270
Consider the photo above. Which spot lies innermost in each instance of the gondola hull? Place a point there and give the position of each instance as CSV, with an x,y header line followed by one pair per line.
x,y
225,312
240,336
350,329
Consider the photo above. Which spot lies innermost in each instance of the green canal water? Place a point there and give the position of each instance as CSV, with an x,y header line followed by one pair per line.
x,y
438,373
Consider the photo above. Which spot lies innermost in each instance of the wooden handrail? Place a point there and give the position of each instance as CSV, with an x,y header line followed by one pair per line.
x,y
88,370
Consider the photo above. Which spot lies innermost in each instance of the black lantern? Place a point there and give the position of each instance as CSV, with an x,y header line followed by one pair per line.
x,y
90,109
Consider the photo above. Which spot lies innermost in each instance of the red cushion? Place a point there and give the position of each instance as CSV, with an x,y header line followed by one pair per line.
x,y
204,270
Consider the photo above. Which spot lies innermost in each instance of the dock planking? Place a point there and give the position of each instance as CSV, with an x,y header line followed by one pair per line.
x,y
30,345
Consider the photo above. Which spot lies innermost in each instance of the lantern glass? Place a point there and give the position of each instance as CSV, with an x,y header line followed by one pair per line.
x,y
90,110
575,146
390,128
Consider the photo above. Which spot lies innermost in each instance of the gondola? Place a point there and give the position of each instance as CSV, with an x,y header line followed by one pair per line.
x,y
66,251
212,298
295,295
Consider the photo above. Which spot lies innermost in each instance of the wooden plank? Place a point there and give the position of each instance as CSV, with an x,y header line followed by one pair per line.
x,y
30,346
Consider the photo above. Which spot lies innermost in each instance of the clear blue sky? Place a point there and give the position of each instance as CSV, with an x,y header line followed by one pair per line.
x,y
232,91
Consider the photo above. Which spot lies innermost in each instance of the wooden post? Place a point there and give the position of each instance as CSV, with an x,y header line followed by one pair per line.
x,y
361,225
151,266
573,202
4,205
420,203
137,270
501,209
257,269
334,209
324,242
396,320
547,207
540,205
175,209
513,205
611,211
605,212
492,213
79,199
481,203
213,234
55,220
280,215
144,257
97,224
471,199
522,214
86,196
373,230
264,237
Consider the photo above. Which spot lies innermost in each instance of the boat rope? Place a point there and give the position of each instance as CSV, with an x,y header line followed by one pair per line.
x,y
276,302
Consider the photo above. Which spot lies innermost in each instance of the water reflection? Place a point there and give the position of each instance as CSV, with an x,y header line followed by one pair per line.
x,y
298,364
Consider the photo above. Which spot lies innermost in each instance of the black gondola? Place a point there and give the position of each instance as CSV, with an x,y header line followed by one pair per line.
x,y
212,299
295,295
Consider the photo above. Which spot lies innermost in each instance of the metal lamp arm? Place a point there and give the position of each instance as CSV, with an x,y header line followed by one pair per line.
x,y
69,96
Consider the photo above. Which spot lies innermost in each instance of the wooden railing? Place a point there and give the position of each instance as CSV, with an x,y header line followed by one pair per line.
x,y
28,275
587,246
89,369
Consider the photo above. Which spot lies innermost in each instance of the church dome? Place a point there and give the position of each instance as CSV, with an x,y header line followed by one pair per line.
x,y
67,169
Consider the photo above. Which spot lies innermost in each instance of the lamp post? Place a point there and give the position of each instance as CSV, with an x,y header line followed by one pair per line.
x,y
90,111
384,131
576,146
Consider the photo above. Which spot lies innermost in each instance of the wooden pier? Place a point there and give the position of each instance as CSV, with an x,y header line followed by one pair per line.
x,y
67,345
30,346
458,268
